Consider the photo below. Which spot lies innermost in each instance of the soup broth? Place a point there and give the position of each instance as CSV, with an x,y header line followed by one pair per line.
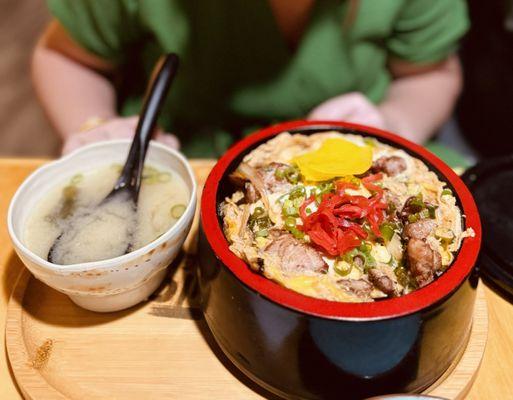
x,y
70,214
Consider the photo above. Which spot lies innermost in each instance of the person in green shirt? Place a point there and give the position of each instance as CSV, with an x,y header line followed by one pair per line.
x,y
245,64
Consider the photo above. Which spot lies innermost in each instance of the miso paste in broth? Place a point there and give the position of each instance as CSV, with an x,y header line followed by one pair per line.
x,y
162,200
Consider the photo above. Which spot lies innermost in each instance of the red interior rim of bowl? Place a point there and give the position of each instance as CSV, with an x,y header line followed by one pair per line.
x,y
413,302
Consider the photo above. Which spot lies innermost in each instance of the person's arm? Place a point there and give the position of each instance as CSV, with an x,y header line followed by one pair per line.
x,y
76,94
421,99
71,82
417,103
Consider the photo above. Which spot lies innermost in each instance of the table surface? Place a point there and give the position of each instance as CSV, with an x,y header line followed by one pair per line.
x,y
494,380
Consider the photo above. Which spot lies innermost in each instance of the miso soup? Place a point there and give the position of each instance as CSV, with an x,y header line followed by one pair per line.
x,y
64,214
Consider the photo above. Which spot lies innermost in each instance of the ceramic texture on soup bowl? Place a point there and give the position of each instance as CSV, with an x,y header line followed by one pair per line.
x,y
116,283
302,347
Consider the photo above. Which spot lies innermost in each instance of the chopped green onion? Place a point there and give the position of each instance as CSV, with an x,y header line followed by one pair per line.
x,y
289,209
393,262
297,233
322,189
387,231
293,176
164,177
342,268
177,210
326,187
279,173
290,222
349,255
363,252
150,170
413,218
70,194
402,276
282,197
258,212
391,208
369,141
370,262
447,192
358,181
291,173
298,202
417,203
297,192
365,247
75,179
353,179
259,219
444,234
431,211
262,233
150,175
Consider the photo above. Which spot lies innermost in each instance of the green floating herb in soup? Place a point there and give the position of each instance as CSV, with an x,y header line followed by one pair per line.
x,y
162,200
69,198
177,210
341,217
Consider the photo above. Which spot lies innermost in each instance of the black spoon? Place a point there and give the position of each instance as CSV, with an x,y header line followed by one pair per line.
x,y
129,183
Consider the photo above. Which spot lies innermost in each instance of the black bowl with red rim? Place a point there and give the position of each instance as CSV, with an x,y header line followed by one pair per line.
x,y
301,347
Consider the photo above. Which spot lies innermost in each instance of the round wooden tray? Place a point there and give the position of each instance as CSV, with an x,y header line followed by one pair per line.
x,y
160,349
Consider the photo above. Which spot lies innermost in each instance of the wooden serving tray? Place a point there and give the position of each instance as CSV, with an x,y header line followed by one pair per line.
x,y
159,349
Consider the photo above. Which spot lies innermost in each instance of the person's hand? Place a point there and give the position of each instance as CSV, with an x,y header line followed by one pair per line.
x,y
115,128
350,107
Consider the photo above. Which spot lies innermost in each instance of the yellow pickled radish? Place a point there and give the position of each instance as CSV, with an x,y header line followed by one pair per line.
x,y
335,158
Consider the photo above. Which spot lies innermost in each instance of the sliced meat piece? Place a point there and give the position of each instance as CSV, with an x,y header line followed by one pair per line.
x,y
420,229
360,287
295,256
262,178
238,179
271,182
423,261
251,195
252,175
235,219
382,281
249,174
392,165
264,182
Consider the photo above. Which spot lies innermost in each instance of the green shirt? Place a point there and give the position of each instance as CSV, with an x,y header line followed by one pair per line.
x,y
237,71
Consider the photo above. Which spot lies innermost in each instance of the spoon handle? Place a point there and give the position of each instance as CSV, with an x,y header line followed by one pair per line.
x,y
131,175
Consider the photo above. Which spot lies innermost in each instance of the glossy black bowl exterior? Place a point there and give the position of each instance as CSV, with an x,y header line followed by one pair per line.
x,y
299,355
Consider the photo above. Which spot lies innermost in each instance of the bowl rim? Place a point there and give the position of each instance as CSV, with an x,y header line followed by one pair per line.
x,y
108,263
413,302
